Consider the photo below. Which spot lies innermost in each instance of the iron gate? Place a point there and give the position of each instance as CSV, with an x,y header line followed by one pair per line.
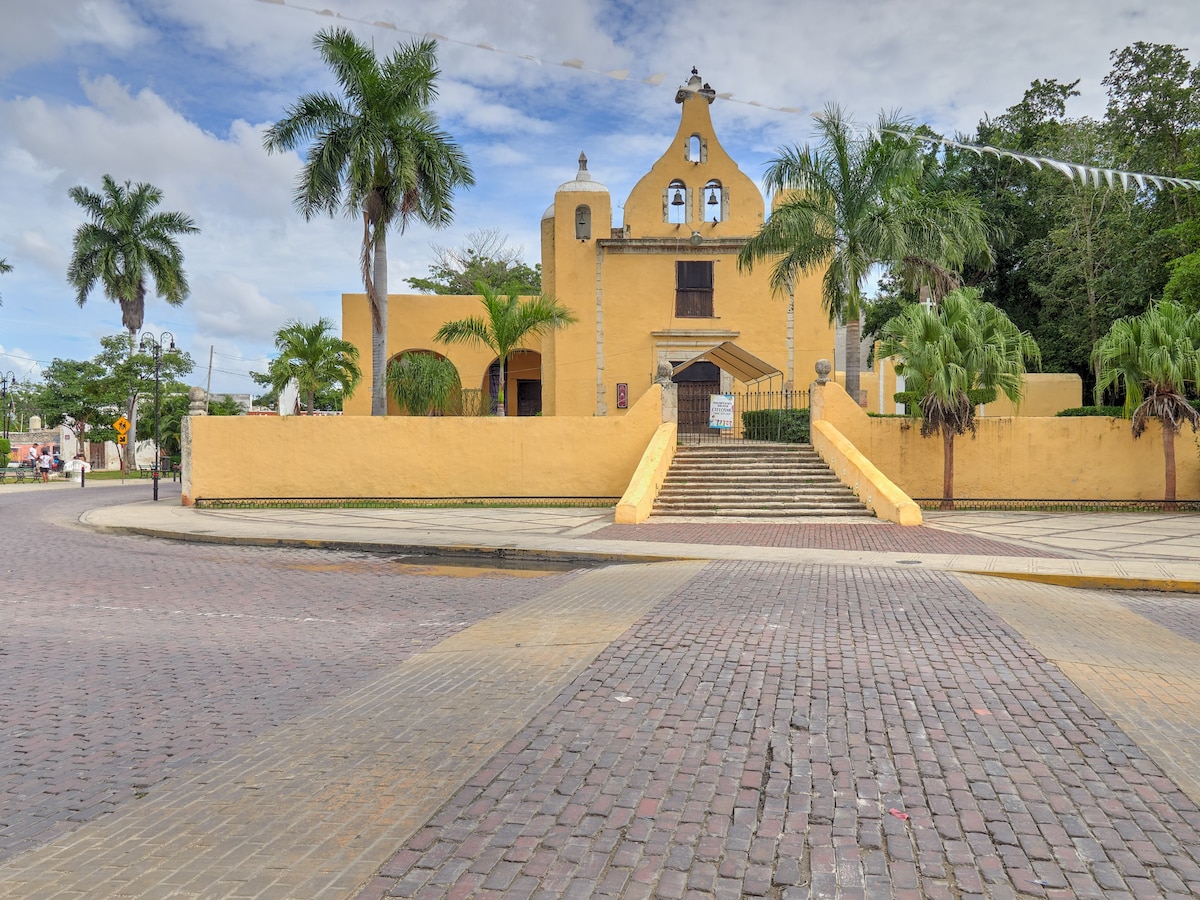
x,y
756,415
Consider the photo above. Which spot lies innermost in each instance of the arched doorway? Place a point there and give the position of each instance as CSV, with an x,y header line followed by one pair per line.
x,y
522,384
454,402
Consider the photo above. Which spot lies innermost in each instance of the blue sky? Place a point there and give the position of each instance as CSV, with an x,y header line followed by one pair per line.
x,y
178,92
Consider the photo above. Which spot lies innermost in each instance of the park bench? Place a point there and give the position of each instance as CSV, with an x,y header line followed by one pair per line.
x,y
18,473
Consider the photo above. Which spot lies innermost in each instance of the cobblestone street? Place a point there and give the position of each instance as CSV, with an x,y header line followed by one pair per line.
x,y
201,720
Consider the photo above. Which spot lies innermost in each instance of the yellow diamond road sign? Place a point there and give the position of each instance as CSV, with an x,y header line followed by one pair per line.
x,y
122,425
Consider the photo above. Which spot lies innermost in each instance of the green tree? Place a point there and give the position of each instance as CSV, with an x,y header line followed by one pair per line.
x,y
124,243
486,257
1155,358
88,394
74,392
376,152
316,358
1154,111
507,322
225,405
849,204
953,358
5,266
423,383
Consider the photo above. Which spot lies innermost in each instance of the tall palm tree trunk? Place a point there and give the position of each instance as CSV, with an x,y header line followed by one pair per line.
x,y
501,401
129,460
853,358
379,324
947,469
1169,462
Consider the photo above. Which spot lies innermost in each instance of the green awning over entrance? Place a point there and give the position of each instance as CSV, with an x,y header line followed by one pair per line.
x,y
745,367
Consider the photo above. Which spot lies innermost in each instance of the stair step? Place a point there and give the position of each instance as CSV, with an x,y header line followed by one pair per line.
x,y
753,481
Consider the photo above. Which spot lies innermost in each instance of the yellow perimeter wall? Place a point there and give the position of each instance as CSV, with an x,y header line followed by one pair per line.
x,y
1043,394
411,457
1018,458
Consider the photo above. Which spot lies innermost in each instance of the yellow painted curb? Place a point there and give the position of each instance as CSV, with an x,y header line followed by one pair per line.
x,y
1098,582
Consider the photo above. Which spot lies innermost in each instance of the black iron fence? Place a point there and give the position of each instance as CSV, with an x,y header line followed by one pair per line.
x,y
1034,505
708,416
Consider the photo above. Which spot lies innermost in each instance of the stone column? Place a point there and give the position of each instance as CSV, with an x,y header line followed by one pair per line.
x,y
670,392
816,391
197,401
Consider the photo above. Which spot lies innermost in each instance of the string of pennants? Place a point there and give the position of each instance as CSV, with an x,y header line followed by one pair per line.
x,y
1096,176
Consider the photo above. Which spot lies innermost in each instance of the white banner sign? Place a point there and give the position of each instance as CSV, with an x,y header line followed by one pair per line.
x,y
720,411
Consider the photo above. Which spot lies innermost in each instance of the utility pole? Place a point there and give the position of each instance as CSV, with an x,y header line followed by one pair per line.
x,y
208,384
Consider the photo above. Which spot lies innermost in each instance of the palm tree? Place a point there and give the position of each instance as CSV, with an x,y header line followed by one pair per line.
x,y
1155,358
316,358
379,153
952,358
849,204
423,383
124,243
5,266
508,321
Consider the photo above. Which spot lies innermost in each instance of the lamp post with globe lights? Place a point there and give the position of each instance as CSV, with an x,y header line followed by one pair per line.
x,y
7,381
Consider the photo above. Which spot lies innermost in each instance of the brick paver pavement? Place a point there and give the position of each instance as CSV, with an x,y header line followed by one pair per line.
x,y
1143,674
763,729
309,809
872,536
804,731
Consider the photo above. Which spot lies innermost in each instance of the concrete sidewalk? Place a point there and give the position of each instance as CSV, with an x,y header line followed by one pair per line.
x,y
1100,550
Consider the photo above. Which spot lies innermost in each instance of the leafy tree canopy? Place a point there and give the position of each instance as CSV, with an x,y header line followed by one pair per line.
x,y
485,257
93,393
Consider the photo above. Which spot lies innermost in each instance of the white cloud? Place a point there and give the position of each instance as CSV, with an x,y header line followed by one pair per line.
x,y
20,362
180,91
36,32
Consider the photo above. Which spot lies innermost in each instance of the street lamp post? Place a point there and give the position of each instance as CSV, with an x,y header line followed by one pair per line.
x,y
148,342
7,380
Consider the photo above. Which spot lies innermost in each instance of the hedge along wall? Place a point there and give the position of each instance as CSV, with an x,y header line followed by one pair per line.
x,y
358,457
1018,458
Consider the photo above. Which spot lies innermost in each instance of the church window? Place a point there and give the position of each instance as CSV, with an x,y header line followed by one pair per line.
x,y
694,289
697,149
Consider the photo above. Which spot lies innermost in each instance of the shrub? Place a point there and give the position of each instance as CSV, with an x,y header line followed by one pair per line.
x,y
5,449
1113,411
790,426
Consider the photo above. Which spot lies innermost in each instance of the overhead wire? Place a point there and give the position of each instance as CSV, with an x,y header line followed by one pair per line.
x,y
1097,176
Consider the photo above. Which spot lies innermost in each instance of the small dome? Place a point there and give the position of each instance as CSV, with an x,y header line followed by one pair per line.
x,y
583,180
549,213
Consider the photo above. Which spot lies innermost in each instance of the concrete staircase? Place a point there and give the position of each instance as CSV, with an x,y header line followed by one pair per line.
x,y
754,480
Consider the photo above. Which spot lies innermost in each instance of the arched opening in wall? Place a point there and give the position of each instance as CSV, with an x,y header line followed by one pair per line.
x,y
696,149
675,203
522,385
714,201
423,382
583,223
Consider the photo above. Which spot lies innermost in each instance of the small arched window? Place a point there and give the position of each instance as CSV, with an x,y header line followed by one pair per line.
x,y
676,205
715,202
696,149
583,222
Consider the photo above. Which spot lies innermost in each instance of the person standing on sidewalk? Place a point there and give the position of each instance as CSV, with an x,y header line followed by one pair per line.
x,y
44,463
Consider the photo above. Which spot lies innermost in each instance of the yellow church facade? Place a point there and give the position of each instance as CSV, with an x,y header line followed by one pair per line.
x,y
664,286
